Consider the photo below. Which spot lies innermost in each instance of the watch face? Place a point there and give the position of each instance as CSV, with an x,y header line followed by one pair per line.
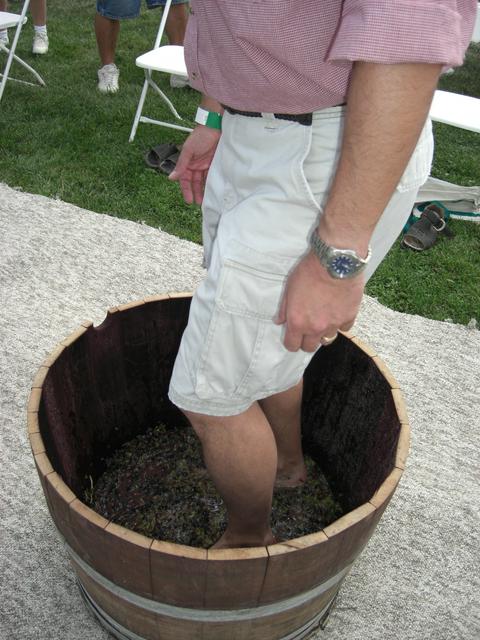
x,y
343,266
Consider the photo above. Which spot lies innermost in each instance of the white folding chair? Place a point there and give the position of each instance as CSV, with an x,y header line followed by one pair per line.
x,y
167,59
456,110
7,21
463,112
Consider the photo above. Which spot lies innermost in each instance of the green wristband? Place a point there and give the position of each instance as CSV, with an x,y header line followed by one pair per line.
x,y
210,119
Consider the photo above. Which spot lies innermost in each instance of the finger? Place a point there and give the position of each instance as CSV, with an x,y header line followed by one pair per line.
x,y
186,187
329,334
327,340
310,343
182,164
292,340
347,325
198,186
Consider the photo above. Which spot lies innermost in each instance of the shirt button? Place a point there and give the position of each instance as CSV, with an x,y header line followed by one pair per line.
x,y
194,75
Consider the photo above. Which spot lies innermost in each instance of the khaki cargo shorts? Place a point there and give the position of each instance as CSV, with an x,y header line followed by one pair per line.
x,y
266,189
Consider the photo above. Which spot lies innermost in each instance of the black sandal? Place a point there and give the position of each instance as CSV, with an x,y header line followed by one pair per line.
x,y
163,157
424,232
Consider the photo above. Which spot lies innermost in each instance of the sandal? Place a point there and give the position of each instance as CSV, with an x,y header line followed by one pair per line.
x,y
168,165
159,155
423,233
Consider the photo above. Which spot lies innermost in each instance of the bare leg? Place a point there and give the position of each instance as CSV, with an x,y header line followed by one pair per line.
x,y
38,9
241,457
177,23
106,32
283,412
3,5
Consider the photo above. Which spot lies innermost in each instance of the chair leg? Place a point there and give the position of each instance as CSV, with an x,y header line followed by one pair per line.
x,y
139,110
165,98
8,64
35,74
138,115
5,75
11,52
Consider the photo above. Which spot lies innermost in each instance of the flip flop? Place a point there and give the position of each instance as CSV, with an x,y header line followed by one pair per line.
x,y
168,165
423,233
158,154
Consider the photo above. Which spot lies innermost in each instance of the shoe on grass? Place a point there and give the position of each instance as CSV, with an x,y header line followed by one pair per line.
x,y
108,78
40,43
4,36
178,82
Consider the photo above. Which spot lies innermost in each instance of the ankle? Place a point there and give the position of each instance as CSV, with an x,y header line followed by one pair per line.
x,y
232,539
290,462
292,473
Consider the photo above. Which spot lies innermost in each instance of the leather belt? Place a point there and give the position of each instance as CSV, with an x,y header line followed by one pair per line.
x,y
301,118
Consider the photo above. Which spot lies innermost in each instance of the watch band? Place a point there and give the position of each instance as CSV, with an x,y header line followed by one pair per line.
x,y
210,119
340,263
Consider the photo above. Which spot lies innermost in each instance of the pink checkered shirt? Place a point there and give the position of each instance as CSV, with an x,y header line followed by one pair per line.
x,y
295,56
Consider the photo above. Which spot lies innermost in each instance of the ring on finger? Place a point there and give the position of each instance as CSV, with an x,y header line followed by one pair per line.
x,y
326,340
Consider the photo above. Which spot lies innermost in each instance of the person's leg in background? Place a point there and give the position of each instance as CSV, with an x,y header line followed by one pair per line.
x,y
107,28
38,9
175,28
106,33
177,22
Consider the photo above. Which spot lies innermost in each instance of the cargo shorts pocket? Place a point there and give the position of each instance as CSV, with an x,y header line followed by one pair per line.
x,y
418,168
236,361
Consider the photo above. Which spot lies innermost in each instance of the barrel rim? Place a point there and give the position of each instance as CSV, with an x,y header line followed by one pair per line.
x,y
48,474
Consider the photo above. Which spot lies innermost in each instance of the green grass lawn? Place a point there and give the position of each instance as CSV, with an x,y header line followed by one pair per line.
x,y
70,142
443,282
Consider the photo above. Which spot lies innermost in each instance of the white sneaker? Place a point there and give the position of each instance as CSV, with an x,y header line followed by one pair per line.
x,y
4,37
178,82
108,78
40,43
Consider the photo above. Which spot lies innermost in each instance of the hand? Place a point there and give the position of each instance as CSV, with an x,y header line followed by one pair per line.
x,y
194,162
315,305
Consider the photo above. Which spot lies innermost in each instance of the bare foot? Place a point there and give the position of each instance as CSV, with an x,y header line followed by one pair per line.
x,y
291,477
228,541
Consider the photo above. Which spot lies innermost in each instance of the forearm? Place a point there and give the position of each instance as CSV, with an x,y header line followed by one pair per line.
x,y
386,111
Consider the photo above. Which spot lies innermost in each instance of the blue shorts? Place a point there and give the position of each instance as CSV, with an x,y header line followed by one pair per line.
x,y
120,9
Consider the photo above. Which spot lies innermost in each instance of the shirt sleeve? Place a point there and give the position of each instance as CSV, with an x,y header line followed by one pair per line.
x,y
396,31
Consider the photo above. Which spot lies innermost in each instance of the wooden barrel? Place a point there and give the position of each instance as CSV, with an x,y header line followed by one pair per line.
x,y
104,385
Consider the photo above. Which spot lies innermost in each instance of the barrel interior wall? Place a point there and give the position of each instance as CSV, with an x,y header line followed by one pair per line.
x,y
110,385
350,425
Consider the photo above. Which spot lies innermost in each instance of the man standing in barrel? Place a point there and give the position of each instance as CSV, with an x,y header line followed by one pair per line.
x,y
312,141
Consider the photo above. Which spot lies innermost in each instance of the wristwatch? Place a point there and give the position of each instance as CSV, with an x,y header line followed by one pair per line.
x,y
340,263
